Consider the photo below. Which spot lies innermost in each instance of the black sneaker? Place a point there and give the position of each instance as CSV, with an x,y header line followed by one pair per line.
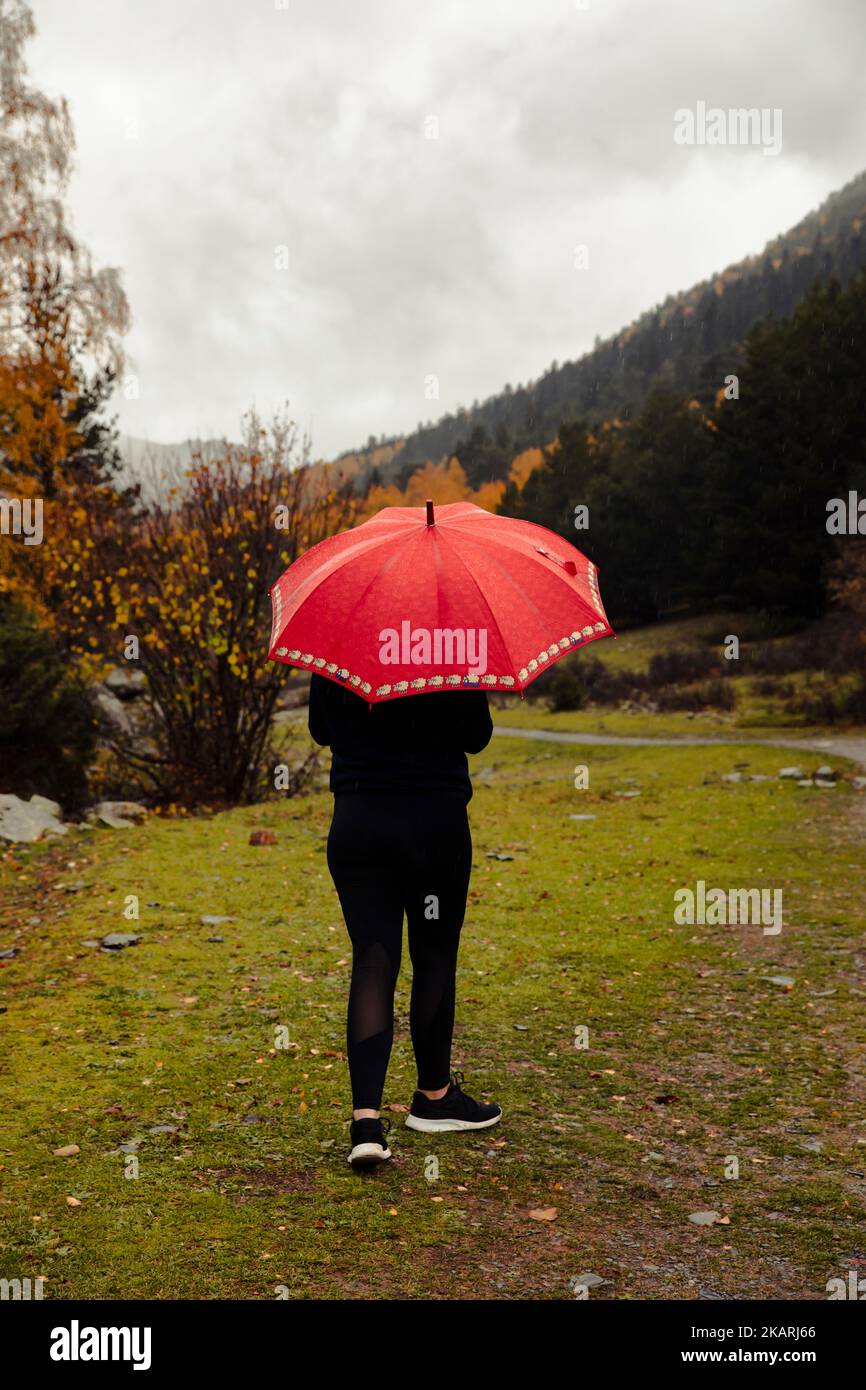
x,y
369,1145
455,1110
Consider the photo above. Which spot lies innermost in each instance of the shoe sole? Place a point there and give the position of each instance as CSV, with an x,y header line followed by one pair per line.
x,y
368,1155
443,1126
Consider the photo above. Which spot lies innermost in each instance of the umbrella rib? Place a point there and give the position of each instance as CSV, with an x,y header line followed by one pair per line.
x,y
525,598
486,599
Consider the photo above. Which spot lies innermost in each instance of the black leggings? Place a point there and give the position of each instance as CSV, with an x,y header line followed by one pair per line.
x,y
390,853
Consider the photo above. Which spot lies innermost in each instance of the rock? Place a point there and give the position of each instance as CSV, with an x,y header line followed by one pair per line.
x,y
626,793
67,1151
812,1146
859,783
23,822
263,837
117,815
215,939
826,772
10,953
125,683
823,782
796,774
586,815
781,981
494,854
732,776
118,940
216,921
705,1218
805,782
113,715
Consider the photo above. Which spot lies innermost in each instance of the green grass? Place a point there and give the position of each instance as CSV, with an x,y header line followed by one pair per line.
x,y
692,1056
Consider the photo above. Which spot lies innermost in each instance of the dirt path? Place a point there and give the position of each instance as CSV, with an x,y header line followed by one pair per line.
x,y
843,746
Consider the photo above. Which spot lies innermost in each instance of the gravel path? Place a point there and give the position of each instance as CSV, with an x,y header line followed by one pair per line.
x,y
845,746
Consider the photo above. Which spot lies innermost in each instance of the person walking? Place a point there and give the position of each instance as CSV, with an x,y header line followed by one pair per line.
x,y
400,842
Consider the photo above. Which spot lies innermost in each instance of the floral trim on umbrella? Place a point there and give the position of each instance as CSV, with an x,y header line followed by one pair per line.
x,y
340,673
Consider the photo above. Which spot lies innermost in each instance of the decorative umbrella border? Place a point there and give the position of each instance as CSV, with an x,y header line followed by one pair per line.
x,y
340,674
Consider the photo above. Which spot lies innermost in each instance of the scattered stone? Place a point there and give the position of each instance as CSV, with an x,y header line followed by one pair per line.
x,y
117,815
796,774
494,854
586,815
209,921
91,942
163,1129
826,773
216,938
67,1151
708,1218
24,822
129,1146
813,1146
782,981
626,793
858,783
805,782
119,940
114,717
125,684
823,782
263,837
732,776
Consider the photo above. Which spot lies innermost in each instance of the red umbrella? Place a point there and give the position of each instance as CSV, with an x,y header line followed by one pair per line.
x,y
417,600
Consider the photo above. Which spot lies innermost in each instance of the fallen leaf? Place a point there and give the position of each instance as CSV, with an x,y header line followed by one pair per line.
x,y
67,1151
544,1213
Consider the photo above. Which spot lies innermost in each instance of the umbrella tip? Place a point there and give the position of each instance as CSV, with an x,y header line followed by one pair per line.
x,y
430,517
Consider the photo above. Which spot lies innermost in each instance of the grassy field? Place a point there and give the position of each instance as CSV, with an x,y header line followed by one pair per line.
x,y
161,1059
783,705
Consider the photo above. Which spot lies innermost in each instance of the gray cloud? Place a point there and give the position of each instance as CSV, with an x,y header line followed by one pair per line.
x,y
211,133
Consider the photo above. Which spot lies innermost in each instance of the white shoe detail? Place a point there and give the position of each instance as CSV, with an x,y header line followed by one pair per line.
x,y
369,1153
442,1126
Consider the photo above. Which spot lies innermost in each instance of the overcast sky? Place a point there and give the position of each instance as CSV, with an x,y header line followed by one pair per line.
x,y
212,132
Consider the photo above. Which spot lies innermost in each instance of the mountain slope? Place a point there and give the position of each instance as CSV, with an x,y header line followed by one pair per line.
x,y
688,341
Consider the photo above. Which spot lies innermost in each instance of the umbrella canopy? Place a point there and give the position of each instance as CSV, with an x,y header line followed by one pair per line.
x,y
434,599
